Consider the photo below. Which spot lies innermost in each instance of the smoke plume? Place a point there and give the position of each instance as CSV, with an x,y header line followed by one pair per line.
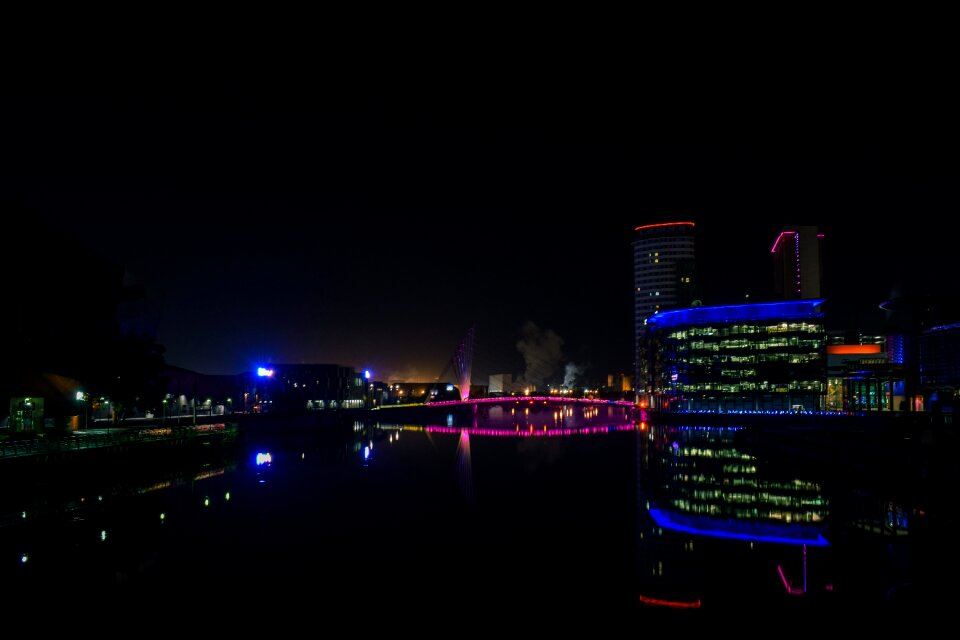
x,y
570,375
541,354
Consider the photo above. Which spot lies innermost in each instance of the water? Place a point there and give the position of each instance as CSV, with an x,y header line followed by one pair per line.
x,y
534,506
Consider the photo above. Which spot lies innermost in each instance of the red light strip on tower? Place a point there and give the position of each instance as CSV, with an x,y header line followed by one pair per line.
x,y
780,237
663,224
671,604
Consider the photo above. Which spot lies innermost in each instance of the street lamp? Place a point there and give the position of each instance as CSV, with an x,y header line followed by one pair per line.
x,y
109,417
164,422
81,398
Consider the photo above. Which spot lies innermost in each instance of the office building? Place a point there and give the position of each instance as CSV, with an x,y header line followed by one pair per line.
x,y
797,263
664,261
756,357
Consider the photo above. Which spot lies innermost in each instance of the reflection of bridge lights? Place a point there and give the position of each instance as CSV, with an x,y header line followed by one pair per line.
x,y
534,399
366,453
530,431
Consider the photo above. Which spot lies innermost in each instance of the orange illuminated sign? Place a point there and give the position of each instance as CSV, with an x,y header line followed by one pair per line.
x,y
852,349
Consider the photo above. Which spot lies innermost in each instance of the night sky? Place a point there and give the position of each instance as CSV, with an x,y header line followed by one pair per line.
x,y
373,228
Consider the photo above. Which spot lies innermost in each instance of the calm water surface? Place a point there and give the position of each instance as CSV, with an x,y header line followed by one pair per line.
x,y
578,506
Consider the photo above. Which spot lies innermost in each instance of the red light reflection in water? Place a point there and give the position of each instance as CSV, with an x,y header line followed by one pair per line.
x,y
670,604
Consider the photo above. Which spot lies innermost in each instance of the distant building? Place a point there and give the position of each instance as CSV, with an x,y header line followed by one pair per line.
x,y
189,392
619,382
797,263
743,357
862,377
925,339
940,357
503,383
420,392
295,388
664,277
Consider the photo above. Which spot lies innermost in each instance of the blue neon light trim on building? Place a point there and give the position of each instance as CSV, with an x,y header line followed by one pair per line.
x,y
814,539
789,310
943,327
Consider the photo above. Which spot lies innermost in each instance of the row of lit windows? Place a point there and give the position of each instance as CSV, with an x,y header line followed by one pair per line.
x,y
792,358
783,327
803,385
759,345
315,405
697,452
804,500
738,373
806,492
663,254
743,514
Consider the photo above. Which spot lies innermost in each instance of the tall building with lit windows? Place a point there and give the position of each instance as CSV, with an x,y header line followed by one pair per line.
x,y
797,263
664,265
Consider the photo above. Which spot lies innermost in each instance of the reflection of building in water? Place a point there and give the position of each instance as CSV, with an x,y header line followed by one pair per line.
x,y
701,473
716,530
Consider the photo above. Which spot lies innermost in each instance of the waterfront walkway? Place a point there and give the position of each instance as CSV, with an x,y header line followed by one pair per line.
x,y
107,438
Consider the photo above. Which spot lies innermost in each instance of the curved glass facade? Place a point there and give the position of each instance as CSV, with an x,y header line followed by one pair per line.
x,y
759,357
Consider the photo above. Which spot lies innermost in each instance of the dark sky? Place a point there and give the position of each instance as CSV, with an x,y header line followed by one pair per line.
x,y
372,228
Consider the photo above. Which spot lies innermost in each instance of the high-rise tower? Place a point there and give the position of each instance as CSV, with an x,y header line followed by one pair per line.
x,y
797,263
663,277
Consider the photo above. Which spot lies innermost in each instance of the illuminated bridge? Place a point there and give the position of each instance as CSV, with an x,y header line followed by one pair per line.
x,y
517,400
461,364
532,400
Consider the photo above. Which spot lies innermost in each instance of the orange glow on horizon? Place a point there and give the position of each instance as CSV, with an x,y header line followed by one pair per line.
x,y
852,349
663,224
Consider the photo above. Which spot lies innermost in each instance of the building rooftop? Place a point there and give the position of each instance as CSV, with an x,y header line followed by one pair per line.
x,y
792,309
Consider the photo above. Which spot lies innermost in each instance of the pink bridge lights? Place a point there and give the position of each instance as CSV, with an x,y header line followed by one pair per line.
x,y
532,400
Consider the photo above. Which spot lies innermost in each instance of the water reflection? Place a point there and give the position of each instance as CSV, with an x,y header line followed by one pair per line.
x,y
716,527
705,485
724,522
574,504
